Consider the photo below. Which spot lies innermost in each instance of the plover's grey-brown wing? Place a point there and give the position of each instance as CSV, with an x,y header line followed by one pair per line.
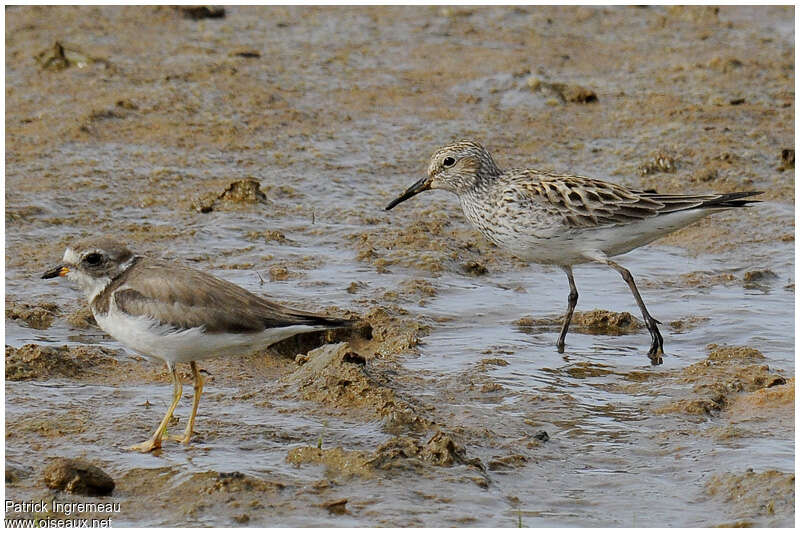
x,y
583,202
186,298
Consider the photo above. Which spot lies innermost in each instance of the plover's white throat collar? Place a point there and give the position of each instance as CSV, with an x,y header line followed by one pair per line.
x,y
175,313
561,219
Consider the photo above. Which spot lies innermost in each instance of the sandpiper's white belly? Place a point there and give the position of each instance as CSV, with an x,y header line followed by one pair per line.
x,y
149,338
570,246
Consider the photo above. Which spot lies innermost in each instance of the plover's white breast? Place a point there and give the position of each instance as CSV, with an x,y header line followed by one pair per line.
x,y
154,339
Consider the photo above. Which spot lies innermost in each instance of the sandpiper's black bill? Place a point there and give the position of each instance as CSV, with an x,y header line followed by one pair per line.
x,y
422,185
54,272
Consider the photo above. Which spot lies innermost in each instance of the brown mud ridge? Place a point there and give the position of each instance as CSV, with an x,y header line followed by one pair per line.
x,y
754,494
402,453
246,191
35,362
730,375
432,242
595,322
37,316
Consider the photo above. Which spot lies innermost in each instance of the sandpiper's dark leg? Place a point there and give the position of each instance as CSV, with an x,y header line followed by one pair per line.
x,y
657,342
572,301
154,442
199,381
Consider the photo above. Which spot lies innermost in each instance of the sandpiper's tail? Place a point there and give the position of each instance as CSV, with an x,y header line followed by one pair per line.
x,y
683,202
733,199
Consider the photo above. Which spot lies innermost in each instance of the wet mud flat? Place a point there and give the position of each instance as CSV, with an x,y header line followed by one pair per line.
x,y
261,144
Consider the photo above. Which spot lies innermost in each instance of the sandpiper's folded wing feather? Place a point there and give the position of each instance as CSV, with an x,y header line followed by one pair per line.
x,y
186,298
586,202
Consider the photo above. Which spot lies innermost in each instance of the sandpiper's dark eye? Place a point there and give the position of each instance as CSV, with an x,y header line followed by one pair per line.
x,y
448,162
93,259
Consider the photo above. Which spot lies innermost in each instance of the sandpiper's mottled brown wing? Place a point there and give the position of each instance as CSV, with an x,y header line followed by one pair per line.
x,y
587,202
185,298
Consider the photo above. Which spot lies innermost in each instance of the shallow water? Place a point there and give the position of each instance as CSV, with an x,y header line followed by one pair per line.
x,y
351,126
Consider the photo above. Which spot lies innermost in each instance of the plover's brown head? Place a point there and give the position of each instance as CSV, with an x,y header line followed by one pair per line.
x,y
92,264
457,167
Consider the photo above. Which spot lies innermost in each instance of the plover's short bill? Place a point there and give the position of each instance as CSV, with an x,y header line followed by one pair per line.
x,y
561,219
176,314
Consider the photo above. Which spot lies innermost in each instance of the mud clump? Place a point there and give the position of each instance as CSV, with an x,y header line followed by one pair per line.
x,y
403,453
440,450
268,236
336,376
279,273
37,316
237,482
420,244
246,191
474,268
42,424
787,159
567,92
78,477
82,318
734,353
59,57
596,322
243,192
408,290
689,322
764,403
707,279
33,361
756,278
338,461
338,506
14,473
507,462
392,332
585,369
433,241
659,162
755,493
719,379
247,53
201,12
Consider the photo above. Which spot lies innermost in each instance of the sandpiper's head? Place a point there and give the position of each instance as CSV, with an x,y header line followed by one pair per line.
x,y
457,167
92,264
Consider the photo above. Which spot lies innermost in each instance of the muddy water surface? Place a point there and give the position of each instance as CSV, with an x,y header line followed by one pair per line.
x,y
450,405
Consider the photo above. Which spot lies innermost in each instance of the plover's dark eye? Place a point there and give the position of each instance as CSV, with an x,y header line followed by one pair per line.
x,y
448,162
93,259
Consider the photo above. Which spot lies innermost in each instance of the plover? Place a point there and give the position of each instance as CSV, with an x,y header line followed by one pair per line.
x,y
564,220
176,314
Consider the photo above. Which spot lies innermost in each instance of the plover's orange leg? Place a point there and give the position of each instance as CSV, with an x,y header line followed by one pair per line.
x,y
572,301
154,442
199,381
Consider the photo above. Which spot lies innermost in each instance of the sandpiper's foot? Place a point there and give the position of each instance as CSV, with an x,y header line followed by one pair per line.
x,y
655,357
146,446
657,344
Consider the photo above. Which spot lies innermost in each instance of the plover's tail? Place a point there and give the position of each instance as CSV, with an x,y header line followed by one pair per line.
x,y
333,323
318,321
